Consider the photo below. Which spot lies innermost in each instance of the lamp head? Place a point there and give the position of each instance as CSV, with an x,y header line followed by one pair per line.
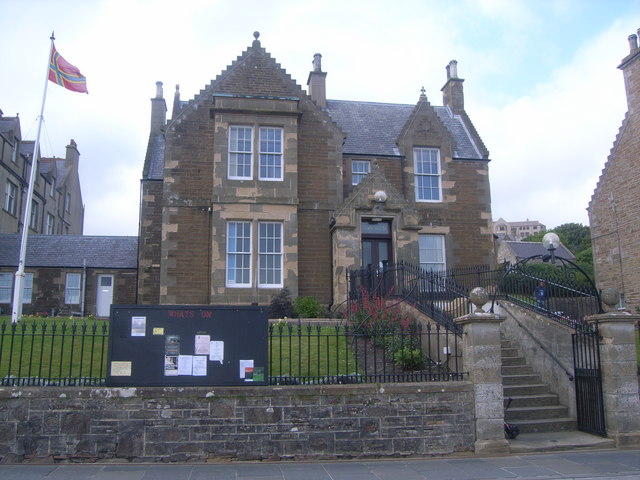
x,y
550,241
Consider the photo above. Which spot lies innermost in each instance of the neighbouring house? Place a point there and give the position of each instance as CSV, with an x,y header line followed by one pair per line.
x,y
614,208
517,230
256,184
512,252
56,205
70,274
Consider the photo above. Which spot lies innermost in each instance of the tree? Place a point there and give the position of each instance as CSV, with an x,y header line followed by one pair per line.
x,y
577,238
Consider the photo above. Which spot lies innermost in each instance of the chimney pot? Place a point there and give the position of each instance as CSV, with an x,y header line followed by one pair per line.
x,y
158,89
452,69
633,42
317,62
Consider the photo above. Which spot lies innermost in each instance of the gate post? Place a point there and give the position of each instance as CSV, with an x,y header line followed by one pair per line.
x,y
619,366
481,358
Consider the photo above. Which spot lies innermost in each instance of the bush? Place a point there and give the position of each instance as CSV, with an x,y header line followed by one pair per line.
x,y
281,305
307,307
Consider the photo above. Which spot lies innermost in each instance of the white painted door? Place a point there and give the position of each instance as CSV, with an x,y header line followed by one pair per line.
x,y
104,297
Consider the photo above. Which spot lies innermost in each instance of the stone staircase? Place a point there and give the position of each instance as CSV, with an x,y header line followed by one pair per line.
x,y
534,408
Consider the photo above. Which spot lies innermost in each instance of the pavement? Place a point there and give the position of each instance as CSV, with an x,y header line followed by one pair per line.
x,y
572,455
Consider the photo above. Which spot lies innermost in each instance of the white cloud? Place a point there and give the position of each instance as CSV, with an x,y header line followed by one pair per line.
x,y
548,148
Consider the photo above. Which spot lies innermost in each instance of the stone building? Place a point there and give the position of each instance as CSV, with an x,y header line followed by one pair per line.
x,y
255,185
70,274
517,231
614,208
56,206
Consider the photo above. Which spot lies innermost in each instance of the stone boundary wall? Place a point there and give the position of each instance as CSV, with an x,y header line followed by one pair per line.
x,y
160,424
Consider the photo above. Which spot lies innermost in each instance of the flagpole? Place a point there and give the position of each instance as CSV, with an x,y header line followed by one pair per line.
x,y
16,313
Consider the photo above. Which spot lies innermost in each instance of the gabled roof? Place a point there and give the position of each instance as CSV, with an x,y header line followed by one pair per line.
x,y
70,251
529,249
372,128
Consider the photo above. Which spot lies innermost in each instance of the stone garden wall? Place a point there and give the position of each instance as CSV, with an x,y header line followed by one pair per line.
x,y
85,424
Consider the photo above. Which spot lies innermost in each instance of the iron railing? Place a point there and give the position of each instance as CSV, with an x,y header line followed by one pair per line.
x,y
570,295
561,291
313,354
53,352
442,296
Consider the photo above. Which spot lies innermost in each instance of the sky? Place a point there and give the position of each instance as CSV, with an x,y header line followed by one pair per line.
x,y
541,86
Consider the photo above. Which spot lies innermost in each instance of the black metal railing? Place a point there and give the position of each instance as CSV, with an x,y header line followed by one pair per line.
x,y
562,291
314,354
442,296
53,352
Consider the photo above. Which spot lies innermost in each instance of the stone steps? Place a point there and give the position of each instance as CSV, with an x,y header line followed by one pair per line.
x,y
533,407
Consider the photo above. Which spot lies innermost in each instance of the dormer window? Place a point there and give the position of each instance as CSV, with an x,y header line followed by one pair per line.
x,y
359,170
426,167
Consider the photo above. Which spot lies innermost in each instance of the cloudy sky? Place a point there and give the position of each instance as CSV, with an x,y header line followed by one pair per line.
x,y
541,83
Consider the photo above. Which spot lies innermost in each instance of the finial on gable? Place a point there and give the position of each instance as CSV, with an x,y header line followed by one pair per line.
x,y
423,92
256,35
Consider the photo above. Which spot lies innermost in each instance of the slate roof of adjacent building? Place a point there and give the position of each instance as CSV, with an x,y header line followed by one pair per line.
x,y
373,128
70,251
529,249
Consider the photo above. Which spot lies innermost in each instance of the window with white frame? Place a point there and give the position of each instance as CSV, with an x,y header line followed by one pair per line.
x,y
72,289
269,254
51,222
6,281
34,215
359,170
10,197
239,254
270,163
426,165
240,153
432,253
6,287
27,288
67,202
52,192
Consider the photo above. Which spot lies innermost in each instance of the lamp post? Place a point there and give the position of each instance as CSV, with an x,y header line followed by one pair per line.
x,y
564,275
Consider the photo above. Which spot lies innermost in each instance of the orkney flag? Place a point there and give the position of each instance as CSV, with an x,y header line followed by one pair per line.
x,y
65,74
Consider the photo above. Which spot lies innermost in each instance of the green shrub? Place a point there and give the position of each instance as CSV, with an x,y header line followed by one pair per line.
x,y
281,305
307,307
410,358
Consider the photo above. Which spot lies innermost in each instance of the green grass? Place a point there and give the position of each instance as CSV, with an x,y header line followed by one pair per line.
x,y
53,348
315,352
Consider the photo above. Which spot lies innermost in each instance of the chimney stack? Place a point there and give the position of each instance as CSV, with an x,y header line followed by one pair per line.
x,y
317,82
452,92
158,110
630,67
177,105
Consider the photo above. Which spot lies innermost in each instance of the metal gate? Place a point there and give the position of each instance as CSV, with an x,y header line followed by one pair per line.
x,y
588,380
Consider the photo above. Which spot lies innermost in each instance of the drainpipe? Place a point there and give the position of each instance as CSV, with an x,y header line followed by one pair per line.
x,y
84,284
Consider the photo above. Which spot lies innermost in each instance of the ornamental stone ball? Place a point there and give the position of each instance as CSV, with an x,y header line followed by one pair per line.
x,y
610,297
479,297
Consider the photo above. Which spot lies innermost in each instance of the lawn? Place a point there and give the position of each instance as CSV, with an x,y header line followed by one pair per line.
x,y
54,349
310,352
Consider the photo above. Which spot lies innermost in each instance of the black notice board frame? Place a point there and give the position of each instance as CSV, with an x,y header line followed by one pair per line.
x,y
143,337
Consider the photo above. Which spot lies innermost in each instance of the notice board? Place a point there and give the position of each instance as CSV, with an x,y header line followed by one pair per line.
x,y
187,345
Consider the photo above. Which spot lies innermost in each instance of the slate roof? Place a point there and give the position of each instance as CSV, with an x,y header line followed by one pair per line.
x,y
70,251
529,249
373,128
8,124
154,161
